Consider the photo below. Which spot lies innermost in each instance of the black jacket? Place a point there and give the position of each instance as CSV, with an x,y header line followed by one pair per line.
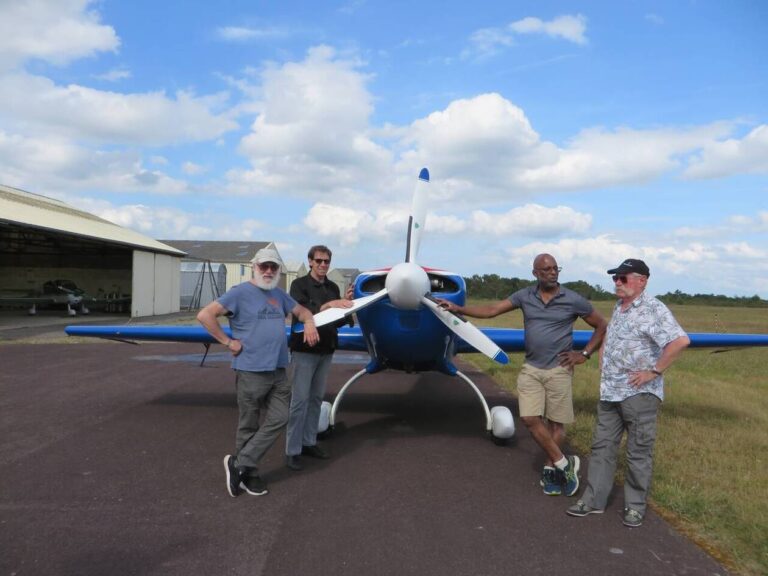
x,y
312,295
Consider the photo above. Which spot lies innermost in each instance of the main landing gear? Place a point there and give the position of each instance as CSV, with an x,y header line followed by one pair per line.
x,y
498,420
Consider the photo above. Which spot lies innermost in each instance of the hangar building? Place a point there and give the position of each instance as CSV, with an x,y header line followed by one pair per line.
x,y
42,239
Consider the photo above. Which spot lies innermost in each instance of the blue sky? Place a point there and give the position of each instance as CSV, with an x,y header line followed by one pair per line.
x,y
594,131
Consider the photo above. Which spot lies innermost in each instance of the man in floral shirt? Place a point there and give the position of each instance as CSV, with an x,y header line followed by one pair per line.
x,y
642,341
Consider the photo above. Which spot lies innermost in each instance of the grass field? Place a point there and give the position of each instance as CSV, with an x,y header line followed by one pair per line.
x,y
711,463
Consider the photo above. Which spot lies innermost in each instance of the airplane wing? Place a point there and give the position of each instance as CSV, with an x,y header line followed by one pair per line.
x,y
351,338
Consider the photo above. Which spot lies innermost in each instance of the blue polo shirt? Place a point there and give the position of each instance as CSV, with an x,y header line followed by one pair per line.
x,y
549,327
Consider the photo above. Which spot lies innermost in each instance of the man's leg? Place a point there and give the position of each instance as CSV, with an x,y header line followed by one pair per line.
x,y
558,404
315,400
304,366
640,413
276,401
251,390
609,428
531,402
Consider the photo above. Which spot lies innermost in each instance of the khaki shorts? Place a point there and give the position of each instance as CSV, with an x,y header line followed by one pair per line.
x,y
547,393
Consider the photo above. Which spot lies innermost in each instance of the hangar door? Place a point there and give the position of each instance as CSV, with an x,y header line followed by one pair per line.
x,y
156,279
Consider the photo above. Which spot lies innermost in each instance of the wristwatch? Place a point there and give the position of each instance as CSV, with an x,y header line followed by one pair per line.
x,y
586,354
655,371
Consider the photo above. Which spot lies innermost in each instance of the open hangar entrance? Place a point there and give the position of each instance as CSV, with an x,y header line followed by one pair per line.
x,y
45,243
30,258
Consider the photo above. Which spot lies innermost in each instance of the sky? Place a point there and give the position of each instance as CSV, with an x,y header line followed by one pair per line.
x,y
592,130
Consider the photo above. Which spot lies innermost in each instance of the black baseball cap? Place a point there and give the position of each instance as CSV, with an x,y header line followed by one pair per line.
x,y
631,265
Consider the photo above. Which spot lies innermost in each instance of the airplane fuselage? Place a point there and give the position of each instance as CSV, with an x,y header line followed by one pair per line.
x,y
401,333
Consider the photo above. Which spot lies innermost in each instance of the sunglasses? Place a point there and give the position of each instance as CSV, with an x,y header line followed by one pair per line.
x,y
322,260
549,269
620,277
269,266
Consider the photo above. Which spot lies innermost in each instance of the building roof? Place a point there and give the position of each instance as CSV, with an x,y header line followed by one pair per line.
x,y
21,208
231,251
349,272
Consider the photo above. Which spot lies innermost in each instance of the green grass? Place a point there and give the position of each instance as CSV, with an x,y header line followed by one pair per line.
x,y
710,477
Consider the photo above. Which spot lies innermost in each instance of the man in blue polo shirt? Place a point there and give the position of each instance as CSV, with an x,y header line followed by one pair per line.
x,y
544,385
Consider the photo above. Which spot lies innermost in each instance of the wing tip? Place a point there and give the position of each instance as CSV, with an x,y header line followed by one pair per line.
x,y
424,175
501,357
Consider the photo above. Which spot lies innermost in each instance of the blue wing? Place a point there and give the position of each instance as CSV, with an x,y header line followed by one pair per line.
x,y
508,339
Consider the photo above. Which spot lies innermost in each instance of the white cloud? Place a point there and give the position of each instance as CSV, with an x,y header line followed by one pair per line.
x,y
52,163
532,220
192,169
57,31
487,42
84,113
567,27
243,34
114,75
720,158
311,137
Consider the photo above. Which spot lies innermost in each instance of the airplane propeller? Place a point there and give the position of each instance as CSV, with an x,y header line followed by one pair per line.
x,y
407,285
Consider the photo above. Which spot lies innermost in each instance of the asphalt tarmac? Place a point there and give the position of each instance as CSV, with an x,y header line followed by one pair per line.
x,y
111,463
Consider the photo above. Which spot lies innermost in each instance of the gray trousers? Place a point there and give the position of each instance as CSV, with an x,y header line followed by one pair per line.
x,y
270,391
637,415
309,375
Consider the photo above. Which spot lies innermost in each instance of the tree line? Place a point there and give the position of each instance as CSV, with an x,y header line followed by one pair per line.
x,y
495,287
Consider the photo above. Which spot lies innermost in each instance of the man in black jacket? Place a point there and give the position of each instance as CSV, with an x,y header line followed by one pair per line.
x,y
311,364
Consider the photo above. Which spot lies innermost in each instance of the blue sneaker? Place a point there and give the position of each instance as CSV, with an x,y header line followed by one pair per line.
x,y
571,475
550,481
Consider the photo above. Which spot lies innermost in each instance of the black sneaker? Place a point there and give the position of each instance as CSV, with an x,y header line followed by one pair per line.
x,y
315,452
233,476
254,485
294,463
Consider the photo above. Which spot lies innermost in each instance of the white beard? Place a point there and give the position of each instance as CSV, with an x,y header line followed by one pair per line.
x,y
264,284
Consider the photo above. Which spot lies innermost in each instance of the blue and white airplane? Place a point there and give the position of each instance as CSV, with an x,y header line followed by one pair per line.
x,y
402,327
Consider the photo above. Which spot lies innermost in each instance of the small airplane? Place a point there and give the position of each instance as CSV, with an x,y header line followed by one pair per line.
x,y
402,326
58,292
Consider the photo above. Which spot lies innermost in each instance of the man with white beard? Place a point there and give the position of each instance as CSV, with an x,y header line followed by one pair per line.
x,y
256,311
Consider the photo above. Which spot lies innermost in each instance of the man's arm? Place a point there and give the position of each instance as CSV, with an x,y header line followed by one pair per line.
x,y
484,311
571,358
311,336
209,318
668,355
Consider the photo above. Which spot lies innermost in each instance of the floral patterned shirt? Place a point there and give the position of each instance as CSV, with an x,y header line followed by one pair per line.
x,y
634,341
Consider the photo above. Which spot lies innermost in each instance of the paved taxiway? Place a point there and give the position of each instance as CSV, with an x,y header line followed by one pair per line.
x,y
110,463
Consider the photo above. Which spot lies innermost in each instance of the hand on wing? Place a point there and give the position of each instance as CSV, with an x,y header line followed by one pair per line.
x,y
447,305
311,336
571,358
341,303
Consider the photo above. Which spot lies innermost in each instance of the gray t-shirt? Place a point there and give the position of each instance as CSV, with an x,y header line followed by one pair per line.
x,y
549,327
257,319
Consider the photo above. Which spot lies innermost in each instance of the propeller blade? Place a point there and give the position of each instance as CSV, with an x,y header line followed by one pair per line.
x,y
418,216
330,315
466,331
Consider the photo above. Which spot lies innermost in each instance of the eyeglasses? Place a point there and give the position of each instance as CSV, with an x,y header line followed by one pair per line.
x,y
548,269
322,260
620,277
269,266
